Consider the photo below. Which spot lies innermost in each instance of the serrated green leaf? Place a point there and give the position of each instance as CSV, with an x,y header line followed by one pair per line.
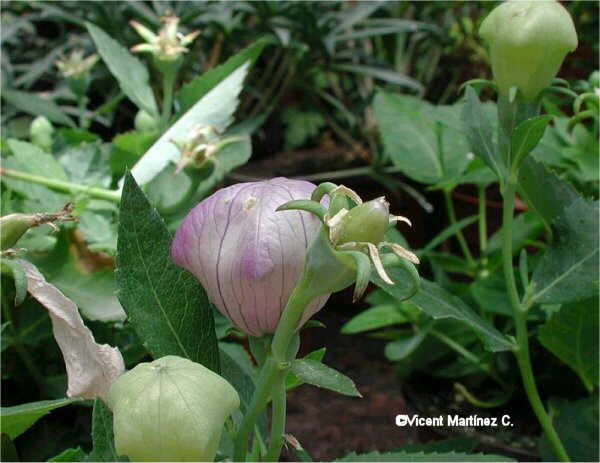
x,y
131,74
36,106
16,420
191,92
544,192
424,457
102,435
479,132
214,109
572,335
420,138
568,271
320,375
439,303
166,305
38,162
576,423
526,137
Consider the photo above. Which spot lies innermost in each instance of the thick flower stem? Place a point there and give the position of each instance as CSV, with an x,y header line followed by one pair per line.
x,y
520,317
277,420
262,394
61,185
169,76
271,382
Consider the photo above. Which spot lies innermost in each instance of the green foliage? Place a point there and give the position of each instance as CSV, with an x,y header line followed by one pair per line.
x,y
165,304
301,126
421,139
569,269
577,425
36,106
320,375
572,335
16,420
131,74
102,435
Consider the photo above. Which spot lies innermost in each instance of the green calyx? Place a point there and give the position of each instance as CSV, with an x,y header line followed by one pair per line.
x,y
153,423
528,42
367,222
347,250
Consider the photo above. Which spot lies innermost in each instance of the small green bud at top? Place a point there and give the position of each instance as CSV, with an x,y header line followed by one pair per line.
x,y
528,42
144,122
171,409
366,223
40,132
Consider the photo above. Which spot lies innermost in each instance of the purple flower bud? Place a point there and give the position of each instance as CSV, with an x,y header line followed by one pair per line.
x,y
247,256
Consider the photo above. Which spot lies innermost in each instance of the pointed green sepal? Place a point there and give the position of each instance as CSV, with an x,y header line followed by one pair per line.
x,y
363,273
304,205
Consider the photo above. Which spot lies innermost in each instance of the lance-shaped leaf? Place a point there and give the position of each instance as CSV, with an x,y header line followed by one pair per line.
x,y
526,137
16,420
91,367
215,109
438,303
128,70
479,133
320,375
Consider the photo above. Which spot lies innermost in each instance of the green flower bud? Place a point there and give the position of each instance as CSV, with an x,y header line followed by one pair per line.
x,y
14,226
366,223
171,409
144,122
528,42
40,132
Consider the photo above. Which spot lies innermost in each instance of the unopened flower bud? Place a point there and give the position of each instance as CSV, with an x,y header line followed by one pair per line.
x,y
76,69
171,409
40,132
247,256
528,42
366,222
144,122
14,226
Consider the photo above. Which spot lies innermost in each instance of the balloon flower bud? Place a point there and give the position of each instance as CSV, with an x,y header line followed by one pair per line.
x,y
528,42
171,409
247,256
40,132
144,122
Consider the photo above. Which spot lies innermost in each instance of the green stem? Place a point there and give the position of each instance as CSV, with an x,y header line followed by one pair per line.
x,y
82,104
68,187
167,101
482,220
277,420
520,317
459,234
469,356
273,373
262,394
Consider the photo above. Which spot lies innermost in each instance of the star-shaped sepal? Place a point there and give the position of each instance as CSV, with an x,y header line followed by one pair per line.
x,y
348,248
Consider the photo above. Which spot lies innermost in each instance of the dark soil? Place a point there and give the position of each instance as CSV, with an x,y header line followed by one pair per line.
x,y
328,425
